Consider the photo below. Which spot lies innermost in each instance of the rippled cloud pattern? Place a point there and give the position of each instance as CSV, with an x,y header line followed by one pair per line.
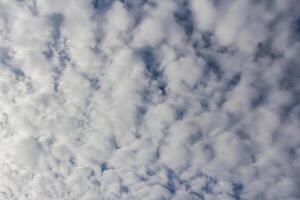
x,y
149,100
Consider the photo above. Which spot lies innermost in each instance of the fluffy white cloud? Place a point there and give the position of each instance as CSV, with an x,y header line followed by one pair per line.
x,y
125,99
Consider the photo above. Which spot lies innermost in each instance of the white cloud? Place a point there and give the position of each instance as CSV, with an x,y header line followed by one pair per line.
x,y
149,100
204,13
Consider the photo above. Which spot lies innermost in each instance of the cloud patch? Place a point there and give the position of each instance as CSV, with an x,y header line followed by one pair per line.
x,y
152,100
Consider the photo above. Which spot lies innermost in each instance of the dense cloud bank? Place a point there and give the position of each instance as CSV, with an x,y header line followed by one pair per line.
x,y
149,100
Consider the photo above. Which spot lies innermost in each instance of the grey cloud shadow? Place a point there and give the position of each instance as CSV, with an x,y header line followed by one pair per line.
x,y
152,68
184,18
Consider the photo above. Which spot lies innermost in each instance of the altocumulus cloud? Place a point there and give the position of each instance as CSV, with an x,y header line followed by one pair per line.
x,y
149,100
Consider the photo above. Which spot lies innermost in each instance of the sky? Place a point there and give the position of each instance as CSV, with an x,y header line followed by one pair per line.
x,y
149,100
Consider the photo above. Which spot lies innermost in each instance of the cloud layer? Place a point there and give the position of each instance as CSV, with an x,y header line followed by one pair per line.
x,y
149,100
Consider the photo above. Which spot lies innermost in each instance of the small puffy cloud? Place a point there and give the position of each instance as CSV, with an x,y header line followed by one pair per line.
x,y
205,14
